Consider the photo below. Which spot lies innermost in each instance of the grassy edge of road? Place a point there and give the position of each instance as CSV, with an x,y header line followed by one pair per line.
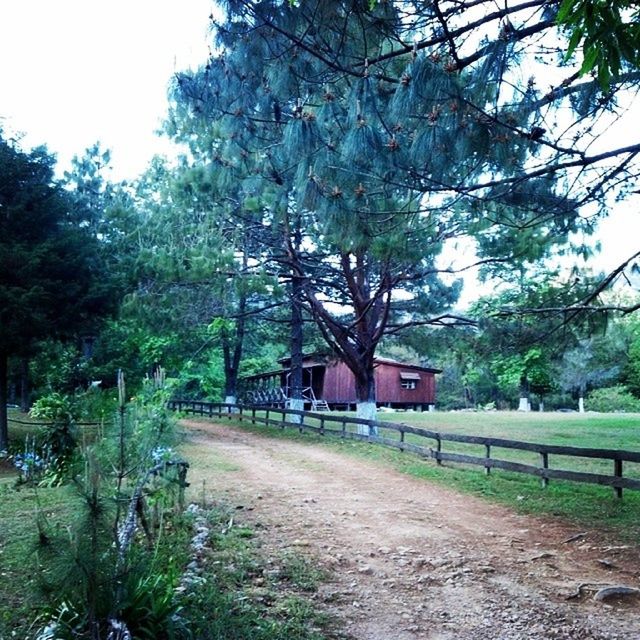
x,y
584,505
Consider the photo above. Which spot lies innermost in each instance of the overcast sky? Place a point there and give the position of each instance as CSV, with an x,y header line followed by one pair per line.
x,y
76,71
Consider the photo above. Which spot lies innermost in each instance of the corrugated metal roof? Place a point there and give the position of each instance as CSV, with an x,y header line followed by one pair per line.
x,y
409,375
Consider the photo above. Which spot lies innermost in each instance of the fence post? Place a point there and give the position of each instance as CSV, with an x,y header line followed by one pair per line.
x,y
438,450
241,413
210,410
266,421
487,466
344,428
401,439
301,423
253,415
617,472
544,463
322,426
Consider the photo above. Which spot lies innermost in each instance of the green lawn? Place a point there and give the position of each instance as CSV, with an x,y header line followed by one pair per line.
x,y
591,430
599,430
19,511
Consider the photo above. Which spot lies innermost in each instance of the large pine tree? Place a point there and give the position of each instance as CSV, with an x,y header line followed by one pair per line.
x,y
52,279
381,131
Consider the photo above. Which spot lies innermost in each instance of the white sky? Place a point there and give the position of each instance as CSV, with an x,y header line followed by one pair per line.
x,y
76,71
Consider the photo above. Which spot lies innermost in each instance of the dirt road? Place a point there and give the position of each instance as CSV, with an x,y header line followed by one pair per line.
x,y
410,560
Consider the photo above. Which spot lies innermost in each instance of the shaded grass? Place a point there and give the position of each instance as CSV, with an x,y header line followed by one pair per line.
x,y
248,596
19,511
585,505
245,597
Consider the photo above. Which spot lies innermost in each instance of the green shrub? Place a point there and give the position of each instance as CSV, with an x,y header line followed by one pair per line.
x,y
612,399
59,438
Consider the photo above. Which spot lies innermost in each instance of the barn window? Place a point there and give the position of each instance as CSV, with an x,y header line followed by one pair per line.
x,y
409,379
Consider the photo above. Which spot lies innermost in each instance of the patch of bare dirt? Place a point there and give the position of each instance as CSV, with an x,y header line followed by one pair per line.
x,y
409,560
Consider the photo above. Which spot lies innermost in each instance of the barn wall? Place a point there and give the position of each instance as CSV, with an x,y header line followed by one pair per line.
x,y
388,387
339,385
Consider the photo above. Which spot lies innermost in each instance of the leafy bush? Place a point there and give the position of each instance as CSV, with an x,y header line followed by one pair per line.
x,y
59,439
612,399
54,407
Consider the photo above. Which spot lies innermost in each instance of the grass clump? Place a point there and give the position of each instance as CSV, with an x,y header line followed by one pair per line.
x,y
244,595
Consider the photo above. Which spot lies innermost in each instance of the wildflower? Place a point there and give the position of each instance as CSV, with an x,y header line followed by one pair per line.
x,y
28,462
162,454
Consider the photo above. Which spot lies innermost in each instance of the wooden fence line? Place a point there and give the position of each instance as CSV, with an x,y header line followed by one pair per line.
x,y
543,471
50,424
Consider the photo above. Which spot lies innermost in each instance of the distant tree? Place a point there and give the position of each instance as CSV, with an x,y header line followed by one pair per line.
x,y
197,262
52,279
581,369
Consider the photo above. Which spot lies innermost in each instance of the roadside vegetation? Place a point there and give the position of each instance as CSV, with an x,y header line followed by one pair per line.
x,y
73,566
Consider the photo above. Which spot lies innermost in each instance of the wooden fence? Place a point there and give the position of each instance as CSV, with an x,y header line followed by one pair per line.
x,y
33,423
338,425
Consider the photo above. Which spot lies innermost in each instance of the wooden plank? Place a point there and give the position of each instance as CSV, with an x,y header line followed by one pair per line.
x,y
544,463
424,452
617,472
576,476
582,452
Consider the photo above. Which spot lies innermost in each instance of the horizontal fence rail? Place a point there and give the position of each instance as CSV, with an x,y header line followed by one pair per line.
x,y
33,423
368,431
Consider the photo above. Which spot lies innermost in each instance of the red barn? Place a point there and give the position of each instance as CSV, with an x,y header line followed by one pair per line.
x,y
330,383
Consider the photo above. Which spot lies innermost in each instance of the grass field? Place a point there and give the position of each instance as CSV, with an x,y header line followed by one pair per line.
x,y
591,430
599,430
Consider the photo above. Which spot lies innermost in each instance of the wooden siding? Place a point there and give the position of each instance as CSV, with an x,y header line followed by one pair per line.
x,y
339,385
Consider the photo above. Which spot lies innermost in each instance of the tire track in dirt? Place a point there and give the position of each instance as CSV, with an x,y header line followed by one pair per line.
x,y
410,560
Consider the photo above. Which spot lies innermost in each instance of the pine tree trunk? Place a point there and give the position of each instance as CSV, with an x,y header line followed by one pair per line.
x,y
25,404
4,427
230,383
232,347
366,400
296,396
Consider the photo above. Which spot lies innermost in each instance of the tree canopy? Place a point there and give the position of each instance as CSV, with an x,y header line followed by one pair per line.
x,y
379,133
52,279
